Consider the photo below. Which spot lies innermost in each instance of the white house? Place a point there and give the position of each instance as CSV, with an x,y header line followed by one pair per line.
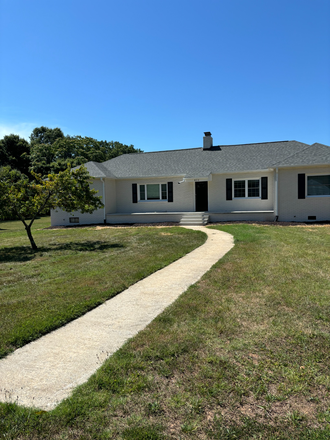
x,y
285,181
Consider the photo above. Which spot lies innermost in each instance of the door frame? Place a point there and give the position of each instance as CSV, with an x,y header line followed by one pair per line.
x,y
205,182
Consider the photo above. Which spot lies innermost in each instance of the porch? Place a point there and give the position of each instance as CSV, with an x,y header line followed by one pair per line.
x,y
188,218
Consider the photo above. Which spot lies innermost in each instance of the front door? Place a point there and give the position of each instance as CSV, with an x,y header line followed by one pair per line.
x,y
201,196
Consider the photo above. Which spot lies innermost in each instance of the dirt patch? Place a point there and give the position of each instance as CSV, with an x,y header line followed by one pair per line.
x,y
254,223
122,225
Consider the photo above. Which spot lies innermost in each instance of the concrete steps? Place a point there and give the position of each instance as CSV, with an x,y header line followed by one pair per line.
x,y
194,219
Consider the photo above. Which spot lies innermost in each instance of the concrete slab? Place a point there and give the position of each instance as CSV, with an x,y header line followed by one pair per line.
x,y
43,373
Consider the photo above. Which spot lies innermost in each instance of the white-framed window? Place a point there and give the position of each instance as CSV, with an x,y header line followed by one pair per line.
x,y
246,188
153,191
318,185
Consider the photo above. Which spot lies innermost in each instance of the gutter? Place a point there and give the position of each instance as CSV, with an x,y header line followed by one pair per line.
x,y
276,194
103,196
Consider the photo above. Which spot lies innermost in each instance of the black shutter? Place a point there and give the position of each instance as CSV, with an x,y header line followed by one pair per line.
x,y
229,189
301,186
264,188
170,191
134,193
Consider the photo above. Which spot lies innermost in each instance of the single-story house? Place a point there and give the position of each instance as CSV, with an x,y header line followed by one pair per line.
x,y
284,181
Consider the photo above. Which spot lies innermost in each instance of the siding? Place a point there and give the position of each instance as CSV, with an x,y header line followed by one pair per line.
x,y
217,194
290,208
61,218
183,197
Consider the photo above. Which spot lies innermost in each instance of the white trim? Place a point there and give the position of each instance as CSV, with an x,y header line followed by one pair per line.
x,y
104,214
276,192
145,192
247,188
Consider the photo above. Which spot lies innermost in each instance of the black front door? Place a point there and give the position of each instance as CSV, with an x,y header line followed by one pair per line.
x,y
201,196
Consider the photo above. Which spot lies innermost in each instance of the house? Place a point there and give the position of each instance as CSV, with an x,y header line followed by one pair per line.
x,y
285,181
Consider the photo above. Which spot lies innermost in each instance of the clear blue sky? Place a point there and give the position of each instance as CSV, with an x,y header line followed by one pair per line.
x,y
158,73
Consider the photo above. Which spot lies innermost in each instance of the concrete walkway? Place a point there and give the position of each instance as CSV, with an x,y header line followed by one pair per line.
x,y
44,372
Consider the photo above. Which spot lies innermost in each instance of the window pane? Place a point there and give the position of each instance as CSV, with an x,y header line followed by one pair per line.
x,y
142,192
253,188
318,185
164,191
239,188
153,192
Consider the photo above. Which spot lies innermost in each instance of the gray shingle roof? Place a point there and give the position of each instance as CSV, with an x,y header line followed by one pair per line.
x,y
220,159
316,154
96,169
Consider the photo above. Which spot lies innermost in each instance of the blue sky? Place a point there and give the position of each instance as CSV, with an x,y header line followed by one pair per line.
x,y
158,73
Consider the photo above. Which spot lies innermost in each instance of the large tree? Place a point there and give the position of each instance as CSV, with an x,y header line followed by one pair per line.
x,y
45,135
51,154
69,190
15,152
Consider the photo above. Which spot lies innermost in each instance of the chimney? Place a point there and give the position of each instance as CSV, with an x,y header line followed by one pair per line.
x,y
207,141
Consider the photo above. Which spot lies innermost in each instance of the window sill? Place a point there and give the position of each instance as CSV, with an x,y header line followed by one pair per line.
x,y
323,195
150,201
246,198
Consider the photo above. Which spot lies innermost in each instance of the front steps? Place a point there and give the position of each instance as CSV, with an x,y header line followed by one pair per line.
x,y
194,219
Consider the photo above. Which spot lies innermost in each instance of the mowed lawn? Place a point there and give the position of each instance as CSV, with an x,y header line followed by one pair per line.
x,y
73,271
243,354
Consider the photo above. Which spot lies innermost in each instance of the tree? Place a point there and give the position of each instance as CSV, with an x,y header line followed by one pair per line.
x,y
45,135
15,152
51,155
69,190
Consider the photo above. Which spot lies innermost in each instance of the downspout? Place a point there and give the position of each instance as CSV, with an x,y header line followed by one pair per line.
x,y
104,216
276,195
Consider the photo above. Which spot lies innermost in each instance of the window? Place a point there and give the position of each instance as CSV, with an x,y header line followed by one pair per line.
x,y
247,188
73,219
153,191
318,185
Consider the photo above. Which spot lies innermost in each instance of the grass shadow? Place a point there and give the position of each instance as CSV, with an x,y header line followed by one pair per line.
x,y
25,253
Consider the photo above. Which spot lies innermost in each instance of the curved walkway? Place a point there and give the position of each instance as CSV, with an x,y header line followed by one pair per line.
x,y
44,372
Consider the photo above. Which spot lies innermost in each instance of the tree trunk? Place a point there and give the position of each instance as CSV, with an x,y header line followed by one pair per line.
x,y
28,231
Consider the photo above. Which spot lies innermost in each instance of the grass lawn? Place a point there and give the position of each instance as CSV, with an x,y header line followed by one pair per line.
x,y
73,271
243,354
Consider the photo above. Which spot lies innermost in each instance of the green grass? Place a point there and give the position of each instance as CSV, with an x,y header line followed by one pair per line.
x,y
243,354
73,271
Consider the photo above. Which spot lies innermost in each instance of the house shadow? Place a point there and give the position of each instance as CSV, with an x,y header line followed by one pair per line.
x,y
25,253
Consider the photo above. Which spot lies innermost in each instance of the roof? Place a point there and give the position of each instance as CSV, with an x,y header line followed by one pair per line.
x,y
96,169
217,160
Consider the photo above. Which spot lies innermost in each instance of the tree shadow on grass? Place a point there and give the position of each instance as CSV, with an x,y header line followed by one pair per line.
x,y
25,253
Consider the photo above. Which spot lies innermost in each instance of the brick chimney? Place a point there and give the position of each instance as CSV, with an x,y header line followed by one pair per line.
x,y
207,141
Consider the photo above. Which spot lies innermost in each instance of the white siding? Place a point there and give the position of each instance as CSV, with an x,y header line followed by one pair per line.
x,y
144,218
110,196
61,218
183,197
260,217
217,194
293,209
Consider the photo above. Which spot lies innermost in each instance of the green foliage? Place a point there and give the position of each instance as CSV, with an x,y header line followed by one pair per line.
x,y
45,135
69,190
51,154
14,152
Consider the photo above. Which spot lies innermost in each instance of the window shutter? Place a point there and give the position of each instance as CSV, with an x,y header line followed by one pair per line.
x,y
170,191
229,189
134,193
301,186
264,188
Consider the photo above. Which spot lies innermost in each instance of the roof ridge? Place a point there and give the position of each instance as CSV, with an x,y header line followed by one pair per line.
x,y
255,143
291,155
200,148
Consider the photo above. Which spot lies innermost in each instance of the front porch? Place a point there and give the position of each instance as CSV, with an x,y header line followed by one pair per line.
x,y
188,218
